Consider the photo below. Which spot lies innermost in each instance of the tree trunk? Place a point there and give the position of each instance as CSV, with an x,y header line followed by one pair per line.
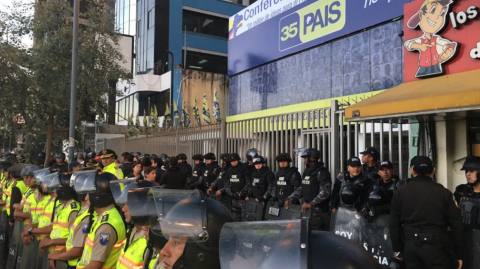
x,y
48,150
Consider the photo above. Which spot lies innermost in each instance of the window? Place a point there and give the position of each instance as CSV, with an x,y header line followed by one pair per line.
x,y
151,18
160,101
205,24
206,62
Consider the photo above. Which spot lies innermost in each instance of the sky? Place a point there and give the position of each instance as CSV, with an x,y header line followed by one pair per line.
x,y
5,4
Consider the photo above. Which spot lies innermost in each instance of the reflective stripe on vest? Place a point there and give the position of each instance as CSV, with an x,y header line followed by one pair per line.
x,y
46,217
60,225
133,257
115,220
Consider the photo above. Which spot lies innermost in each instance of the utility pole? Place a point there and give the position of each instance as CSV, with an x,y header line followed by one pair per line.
x,y
73,89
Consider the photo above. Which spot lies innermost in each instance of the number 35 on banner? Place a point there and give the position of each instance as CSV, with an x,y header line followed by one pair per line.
x,y
311,22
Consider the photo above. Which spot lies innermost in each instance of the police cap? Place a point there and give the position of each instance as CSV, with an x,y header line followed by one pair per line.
x,y
107,153
372,151
354,161
422,165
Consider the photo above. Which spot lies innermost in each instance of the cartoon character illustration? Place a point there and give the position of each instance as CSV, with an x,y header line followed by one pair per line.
x,y
434,50
237,23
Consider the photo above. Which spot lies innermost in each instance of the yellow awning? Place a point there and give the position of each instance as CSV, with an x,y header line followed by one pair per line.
x,y
447,93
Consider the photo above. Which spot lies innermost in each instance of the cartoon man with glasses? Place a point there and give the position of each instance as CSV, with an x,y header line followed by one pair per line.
x,y
434,50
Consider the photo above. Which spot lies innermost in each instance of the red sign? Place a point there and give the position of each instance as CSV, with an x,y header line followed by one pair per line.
x,y
441,37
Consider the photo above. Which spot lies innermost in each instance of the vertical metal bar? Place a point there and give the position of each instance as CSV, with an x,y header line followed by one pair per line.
x,y
281,134
349,140
290,133
355,137
381,140
390,142
334,139
364,134
277,140
372,136
400,137
340,137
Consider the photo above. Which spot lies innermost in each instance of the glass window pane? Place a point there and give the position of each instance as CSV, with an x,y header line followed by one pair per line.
x,y
205,24
206,62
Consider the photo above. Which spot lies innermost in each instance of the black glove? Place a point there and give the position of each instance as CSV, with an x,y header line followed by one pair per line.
x,y
365,212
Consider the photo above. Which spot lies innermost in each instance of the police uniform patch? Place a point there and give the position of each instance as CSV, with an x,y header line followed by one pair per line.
x,y
74,205
104,238
105,218
84,228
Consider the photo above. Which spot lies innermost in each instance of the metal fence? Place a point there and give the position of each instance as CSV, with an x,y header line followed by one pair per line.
x,y
322,128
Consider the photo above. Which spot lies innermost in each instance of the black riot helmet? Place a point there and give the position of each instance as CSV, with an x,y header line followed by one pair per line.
x,y
198,220
98,188
15,171
164,157
120,189
198,157
288,244
224,157
378,197
233,157
157,240
209,156
258,160
31,171
61,183
251,153
471,163
283,157
39,175
310,153
60,155
153,156
349,195
78,180
41,158
25,170
91,155
182,156
5,165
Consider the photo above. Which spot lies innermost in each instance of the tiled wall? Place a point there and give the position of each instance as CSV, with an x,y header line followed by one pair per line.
x,y
368,61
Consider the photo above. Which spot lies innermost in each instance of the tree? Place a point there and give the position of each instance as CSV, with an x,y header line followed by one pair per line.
x,y
45,100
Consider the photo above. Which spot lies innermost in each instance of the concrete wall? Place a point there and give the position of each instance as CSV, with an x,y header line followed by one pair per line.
x,y
452,144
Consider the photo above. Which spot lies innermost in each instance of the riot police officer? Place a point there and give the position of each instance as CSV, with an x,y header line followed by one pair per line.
x,y
420,213
249,167
106,234
77,231
185,167
60,164
370,157
286,180
132,255
195,181
262,181
210,172
467,197
315,190
219,184
236,185
351,188
64,216
192,227
381,193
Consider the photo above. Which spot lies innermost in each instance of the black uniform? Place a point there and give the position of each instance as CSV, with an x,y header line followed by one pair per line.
x,y
173,178
195,181
389,188
127,168
261,183
209,174
61,167
420,213
186,169
286,181
249,169
236,187
315,190
362,185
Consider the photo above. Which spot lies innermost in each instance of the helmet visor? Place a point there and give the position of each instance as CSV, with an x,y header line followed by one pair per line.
x,y
79,179
301,152
54,184
88,185
46,182
188,217
142,209
78,174
39,174
118,190
266,244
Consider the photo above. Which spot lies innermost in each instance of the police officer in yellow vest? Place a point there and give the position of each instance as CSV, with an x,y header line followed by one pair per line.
x,y
133,253
65,215
106,235
77,232
31,242
45,226
109,165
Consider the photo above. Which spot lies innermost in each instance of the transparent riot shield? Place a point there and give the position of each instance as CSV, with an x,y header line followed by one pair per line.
x,y
253,210
264,245
347,223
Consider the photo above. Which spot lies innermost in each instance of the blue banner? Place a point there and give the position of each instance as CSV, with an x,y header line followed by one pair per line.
x,y
303,24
